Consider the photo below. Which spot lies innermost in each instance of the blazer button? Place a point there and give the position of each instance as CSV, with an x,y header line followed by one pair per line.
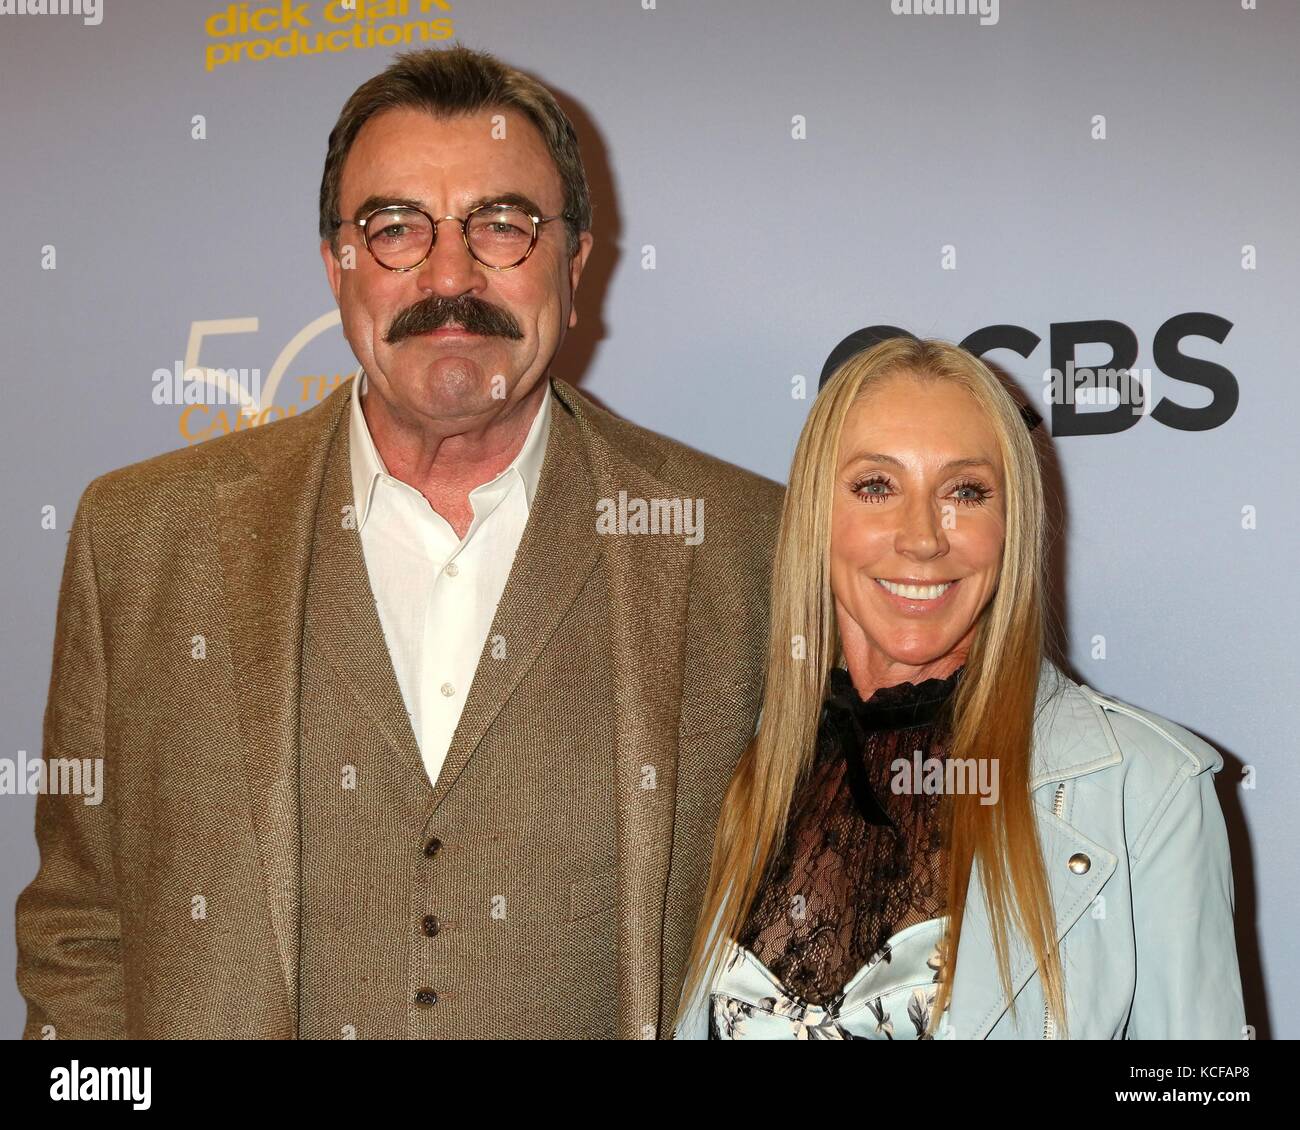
x,y
1079,863
432,847
426,997
429,924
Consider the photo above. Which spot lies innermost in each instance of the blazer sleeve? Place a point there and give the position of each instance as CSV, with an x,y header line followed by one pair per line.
x,y
1188,985
68,928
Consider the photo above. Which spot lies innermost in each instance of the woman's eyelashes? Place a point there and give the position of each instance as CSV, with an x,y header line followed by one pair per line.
x,y
970,492
860,488
979,492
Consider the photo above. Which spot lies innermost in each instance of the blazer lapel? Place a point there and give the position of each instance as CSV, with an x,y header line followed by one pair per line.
x,y
266,515
555,556
343,617
649,585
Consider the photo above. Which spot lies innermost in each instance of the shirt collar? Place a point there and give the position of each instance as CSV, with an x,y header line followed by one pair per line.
x,y
368,465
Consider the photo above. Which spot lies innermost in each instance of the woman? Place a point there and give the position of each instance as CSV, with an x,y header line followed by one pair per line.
x,y
934,832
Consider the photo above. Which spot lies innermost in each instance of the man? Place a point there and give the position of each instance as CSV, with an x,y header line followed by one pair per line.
x,y
410,728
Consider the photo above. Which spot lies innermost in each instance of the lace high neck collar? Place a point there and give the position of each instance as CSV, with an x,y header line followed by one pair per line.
x,y
850,721
897,707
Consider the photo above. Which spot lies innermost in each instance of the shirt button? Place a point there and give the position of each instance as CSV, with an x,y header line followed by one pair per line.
x,y
432,847
448,690
1079,863
426,997
452,569
429,924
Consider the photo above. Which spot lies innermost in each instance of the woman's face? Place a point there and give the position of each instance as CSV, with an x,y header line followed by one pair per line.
x,y
918,501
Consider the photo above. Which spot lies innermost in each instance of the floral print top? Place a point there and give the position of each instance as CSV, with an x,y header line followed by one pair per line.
x,y
889,998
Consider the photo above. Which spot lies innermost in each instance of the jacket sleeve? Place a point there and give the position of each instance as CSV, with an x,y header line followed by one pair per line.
x,y
1188,985
67,923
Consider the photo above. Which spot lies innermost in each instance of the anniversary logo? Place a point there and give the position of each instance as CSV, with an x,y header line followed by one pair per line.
x,y
215,402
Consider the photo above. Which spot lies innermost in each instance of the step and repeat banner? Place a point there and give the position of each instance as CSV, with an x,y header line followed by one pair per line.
x,y
1069,188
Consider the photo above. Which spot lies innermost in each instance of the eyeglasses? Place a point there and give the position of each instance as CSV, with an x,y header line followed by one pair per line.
x,y
499,236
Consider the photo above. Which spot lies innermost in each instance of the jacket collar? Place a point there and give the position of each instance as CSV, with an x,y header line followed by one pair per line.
x,y
367,466
1071,735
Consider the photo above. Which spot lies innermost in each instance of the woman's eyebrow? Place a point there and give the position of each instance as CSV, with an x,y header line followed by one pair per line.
x,y
881,457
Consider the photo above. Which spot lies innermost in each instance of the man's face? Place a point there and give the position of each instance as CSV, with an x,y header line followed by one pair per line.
x,y
449,379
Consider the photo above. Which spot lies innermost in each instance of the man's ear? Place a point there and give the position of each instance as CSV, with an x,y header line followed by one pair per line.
x,y
333,269
576,265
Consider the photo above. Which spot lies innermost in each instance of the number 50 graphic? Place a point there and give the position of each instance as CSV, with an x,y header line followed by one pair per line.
x,y
255,399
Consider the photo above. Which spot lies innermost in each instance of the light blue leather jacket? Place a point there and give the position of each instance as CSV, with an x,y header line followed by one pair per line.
x,y
1137,859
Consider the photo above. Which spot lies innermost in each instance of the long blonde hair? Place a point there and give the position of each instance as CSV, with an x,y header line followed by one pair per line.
x,y
992,711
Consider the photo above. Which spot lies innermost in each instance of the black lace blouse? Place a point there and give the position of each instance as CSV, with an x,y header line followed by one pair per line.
x,y
859,861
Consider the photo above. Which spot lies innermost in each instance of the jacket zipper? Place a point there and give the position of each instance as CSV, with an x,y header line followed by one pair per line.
x,y
1049,1025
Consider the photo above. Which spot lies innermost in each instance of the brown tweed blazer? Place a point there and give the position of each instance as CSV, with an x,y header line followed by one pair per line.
x,y
177,660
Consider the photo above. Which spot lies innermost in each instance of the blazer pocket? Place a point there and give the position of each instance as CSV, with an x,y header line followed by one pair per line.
x,y
592,893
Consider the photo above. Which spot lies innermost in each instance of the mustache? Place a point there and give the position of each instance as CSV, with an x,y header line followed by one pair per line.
x,y
468,312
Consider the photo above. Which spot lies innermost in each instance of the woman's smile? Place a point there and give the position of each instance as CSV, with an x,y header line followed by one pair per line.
x,y
913,600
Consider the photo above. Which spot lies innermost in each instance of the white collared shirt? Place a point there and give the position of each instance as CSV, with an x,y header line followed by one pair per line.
x,y
436,594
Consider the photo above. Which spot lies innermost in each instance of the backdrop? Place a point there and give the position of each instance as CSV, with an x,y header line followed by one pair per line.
x,y
1111,184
